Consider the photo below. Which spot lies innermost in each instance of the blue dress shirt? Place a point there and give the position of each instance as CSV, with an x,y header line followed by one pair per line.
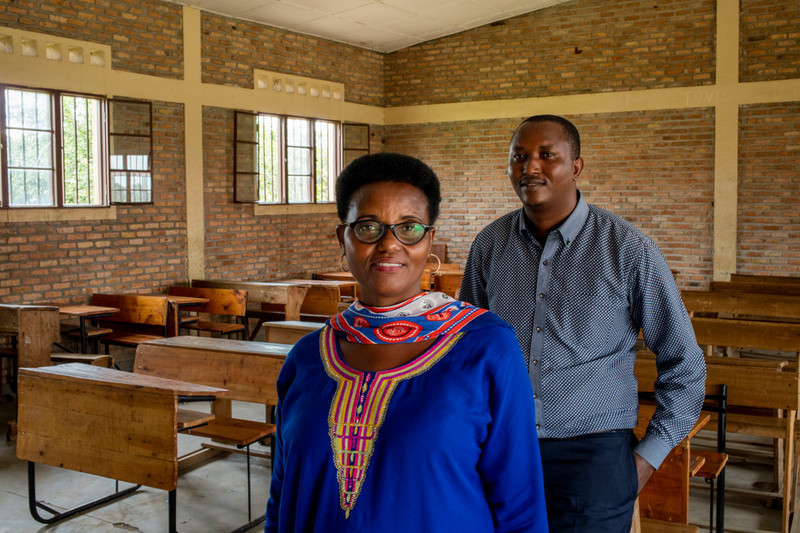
x,y
577,305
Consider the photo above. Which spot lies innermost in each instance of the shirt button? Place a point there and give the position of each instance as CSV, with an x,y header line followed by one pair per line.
x,y
538,329
535,362
544,262
535,395
541,295
537,426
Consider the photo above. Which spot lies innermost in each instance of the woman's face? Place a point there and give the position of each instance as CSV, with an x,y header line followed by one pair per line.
x,y
387,270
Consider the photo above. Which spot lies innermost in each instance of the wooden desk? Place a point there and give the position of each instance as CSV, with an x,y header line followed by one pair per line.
x,y
324,295
290,297
84,313
34,329
337,275
104,422
247,369
175,305
666,495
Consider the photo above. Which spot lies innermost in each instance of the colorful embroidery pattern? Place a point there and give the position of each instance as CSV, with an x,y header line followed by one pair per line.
x,y
418,319
359,406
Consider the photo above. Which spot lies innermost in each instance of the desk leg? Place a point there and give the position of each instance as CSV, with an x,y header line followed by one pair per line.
x,y
34,505
82,321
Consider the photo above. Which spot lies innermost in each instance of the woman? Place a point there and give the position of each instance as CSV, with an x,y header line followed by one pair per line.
x,y
409,411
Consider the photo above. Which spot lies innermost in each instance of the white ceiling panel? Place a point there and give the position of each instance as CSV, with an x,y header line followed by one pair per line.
x,y
380,25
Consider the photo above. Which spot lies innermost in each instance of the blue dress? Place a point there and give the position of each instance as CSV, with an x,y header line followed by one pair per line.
x,y
444,443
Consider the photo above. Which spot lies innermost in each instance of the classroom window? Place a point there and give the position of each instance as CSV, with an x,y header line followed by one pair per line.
x,y
130,151
286,160
55,150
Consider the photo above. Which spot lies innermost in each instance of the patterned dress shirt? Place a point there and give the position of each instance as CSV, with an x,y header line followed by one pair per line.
x,y
577,305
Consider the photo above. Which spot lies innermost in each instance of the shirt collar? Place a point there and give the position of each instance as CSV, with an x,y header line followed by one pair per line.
x,y
568,229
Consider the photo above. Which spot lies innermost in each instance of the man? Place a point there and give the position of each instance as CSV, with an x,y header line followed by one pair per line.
x,y
578,283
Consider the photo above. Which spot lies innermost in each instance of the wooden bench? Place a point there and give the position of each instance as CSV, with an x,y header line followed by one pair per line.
x,y
746,305
753,278
288,331
140,318
247,370
787,289
765,394
448,283
747,334
288,297
322,297
104,422
221,303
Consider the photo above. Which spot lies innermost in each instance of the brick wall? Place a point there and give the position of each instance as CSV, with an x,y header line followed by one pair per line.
x,y
768,236
143,250
654,169
586,46
232,48
145,36
769,40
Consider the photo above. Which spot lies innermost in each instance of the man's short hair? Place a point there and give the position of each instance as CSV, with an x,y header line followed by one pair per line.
x,y
573,137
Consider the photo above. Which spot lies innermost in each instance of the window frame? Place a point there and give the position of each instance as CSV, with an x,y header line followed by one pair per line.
x,y
111,102
57,125
247,146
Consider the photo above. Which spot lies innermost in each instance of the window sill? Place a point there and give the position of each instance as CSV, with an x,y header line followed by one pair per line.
x,y
51,214
292,209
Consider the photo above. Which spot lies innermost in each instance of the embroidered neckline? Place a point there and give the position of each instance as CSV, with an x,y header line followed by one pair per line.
x,y
359,406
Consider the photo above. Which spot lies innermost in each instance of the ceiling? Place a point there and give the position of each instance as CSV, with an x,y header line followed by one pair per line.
x,y
380,25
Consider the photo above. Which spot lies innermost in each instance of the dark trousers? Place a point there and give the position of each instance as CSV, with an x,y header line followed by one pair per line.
x,y
590,482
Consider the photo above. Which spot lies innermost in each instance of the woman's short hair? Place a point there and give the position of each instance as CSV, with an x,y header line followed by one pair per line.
x,y
384,166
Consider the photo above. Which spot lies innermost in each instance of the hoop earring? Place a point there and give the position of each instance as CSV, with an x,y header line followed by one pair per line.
x,y
438,263
343,264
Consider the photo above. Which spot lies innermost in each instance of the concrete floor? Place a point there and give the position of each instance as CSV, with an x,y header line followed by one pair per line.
x,y
212,497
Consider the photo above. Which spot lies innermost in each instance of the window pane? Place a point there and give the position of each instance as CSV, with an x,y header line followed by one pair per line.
x,y
325,160
298,132
29,159
82,150
30,187
299,160
130,147
31,149
28,109
299,189
269,159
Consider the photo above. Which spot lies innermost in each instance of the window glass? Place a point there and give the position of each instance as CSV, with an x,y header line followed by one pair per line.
x,y
30,136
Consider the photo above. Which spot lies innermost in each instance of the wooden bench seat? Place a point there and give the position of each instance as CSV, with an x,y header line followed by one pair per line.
x,y
765,392
288,298
222,303
713,463
140,318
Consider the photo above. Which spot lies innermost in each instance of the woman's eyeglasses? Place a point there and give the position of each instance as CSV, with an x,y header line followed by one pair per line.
x,y
371,231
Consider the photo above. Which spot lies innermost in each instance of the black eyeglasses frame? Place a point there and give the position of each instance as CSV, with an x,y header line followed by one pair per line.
x,y
385,227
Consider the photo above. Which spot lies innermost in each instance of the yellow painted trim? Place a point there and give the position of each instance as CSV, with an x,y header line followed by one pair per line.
x,y
54,214
193,147
293,209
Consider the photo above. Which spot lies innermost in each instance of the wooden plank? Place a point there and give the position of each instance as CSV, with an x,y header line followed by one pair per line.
x,y
672,479
72,424
754,278
134,308
788,289
751,334
249,373
733,304
289,331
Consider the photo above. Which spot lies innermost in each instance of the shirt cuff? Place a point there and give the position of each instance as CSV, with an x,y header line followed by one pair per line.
x,y
653,450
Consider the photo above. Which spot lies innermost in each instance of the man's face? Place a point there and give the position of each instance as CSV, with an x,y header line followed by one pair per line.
x,y
541,168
